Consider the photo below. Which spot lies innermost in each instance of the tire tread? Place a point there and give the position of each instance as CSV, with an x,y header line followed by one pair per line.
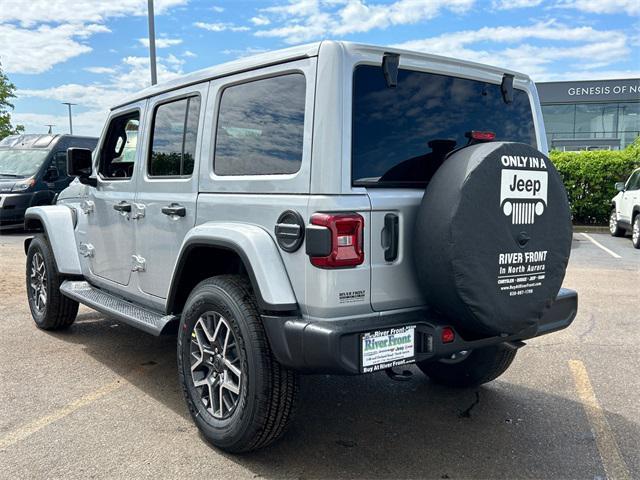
x,y
60,311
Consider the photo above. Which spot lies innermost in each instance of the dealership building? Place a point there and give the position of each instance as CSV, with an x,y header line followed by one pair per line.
x,y
591,115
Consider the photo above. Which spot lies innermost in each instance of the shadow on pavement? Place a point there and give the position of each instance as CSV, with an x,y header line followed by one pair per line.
x,y
372,427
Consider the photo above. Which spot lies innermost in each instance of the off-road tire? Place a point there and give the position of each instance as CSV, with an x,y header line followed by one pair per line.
x,y
480,366
614,229
635,231
268,391
58,312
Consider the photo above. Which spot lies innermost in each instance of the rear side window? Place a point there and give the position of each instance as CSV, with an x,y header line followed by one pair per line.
x,y
261,126
173,143
401,135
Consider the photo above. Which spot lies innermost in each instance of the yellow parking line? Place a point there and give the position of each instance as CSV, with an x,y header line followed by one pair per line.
x,y
612,461
29,429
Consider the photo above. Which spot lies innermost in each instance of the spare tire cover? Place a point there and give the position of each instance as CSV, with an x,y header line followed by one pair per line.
x,y
493,238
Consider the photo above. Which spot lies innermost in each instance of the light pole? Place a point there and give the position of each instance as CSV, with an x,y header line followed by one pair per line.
x,y
70,121
152,44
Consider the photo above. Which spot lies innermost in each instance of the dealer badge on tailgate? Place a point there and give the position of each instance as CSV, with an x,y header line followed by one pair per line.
x,y
387,348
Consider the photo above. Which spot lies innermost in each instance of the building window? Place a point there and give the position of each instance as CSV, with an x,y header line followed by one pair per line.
x,y
586,126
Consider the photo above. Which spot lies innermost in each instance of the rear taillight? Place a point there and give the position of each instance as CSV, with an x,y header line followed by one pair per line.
x,y
345,232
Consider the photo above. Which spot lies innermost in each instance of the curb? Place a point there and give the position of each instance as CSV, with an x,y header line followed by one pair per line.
x,y
590,229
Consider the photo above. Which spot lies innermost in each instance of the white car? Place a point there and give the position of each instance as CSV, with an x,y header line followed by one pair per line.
x,y
626,209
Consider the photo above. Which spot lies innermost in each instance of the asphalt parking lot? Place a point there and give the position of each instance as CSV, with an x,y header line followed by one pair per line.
x,y
102,400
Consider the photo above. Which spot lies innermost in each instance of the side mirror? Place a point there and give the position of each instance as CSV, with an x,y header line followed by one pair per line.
x,y
619,186
79,165
52,174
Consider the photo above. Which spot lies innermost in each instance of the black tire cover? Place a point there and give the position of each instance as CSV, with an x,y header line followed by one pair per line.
x,y
493,238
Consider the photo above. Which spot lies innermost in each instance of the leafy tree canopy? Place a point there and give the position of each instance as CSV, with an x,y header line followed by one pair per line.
x,y
7,92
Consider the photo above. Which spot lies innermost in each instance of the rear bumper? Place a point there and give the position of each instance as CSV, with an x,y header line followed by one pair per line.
x,y
333,346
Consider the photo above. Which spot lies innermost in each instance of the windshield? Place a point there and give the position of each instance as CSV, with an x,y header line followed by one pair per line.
x,y
402,135
21,163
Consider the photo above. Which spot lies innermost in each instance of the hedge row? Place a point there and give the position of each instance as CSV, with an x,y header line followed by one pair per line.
x,y
589,178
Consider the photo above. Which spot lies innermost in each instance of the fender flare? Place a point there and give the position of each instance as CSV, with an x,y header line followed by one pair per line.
x,y
57,221
259,254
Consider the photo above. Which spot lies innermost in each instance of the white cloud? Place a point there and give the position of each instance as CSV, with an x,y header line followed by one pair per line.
x,y
512,4
220,27
189,54
630,7
244,52
37,50
60,11
217,9
260,20
161,42
94,100
100,70
303,20
577,49
38,34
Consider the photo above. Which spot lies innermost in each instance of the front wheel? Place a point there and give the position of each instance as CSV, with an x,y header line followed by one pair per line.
x,y
614,229
239,396
475,368
635,232
49,308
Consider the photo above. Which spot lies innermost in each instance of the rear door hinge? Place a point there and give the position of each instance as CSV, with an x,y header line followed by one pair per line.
x,y
86,250
138,264
87,206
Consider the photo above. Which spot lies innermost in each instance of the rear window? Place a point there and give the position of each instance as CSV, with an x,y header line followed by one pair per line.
x,y
402,135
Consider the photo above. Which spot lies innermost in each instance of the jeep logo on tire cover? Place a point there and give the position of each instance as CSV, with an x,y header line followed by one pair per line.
x,y
523,193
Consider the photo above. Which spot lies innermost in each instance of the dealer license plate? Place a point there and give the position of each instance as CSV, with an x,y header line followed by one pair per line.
x,y
387,348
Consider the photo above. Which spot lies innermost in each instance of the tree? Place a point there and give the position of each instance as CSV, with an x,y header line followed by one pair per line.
x,y
7,90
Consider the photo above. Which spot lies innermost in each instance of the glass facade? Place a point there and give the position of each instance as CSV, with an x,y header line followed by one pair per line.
x,y
591,126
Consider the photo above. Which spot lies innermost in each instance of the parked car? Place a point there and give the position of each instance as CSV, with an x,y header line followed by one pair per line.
x,y
329,208
625,215
33,170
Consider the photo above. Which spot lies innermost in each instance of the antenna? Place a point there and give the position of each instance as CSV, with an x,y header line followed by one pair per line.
x,y
50,125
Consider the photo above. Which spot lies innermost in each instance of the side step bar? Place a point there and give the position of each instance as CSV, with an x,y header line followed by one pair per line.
x,y
113,306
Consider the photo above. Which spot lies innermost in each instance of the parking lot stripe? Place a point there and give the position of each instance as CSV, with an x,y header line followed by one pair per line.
x,y
599,245
612,461
29,429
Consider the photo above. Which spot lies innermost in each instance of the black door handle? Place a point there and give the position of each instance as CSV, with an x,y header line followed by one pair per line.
x,y
174,210
122,207
390,237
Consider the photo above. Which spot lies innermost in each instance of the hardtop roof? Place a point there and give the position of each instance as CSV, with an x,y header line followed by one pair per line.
x,y
290,54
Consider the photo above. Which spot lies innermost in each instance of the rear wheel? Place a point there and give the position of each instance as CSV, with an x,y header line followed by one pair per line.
x,y
239,396
472,369
49,308
635,231
614,229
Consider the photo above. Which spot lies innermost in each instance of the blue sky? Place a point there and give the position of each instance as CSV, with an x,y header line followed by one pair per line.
x,y
92,52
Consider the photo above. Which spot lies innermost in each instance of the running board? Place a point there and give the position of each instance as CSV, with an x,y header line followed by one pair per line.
x,y
113,306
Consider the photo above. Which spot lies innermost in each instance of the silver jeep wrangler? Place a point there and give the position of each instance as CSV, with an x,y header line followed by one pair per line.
x,y
328,208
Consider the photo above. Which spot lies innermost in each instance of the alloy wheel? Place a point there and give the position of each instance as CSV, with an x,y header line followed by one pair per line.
x,y
216,368
38,282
